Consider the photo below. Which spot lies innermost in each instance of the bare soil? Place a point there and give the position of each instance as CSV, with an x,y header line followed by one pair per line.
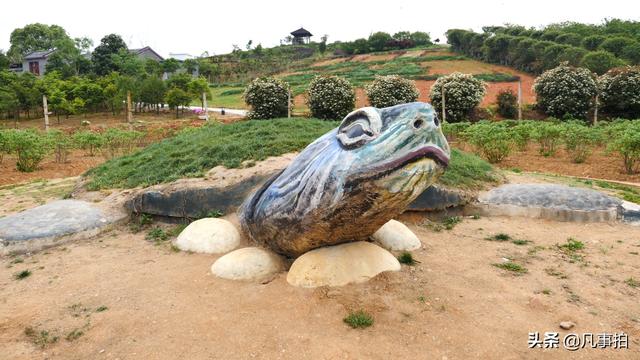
x,y
159,304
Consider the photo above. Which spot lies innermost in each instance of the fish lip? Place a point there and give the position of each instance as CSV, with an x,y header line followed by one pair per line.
x,y
429,152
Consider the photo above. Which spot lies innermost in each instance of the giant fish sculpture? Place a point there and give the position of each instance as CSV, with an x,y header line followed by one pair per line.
x,y
348,183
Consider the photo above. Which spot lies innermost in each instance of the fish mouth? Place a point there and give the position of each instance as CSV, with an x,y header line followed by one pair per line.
x,y
426,152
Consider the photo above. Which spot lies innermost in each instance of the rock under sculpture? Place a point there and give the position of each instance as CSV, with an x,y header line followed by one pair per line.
x,y
348,183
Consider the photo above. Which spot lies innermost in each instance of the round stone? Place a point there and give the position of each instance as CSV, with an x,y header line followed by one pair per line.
x,y
249,263
396,236
341,265
209,236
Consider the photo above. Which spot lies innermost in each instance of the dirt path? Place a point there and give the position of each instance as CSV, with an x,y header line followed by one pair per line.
x,y
158,304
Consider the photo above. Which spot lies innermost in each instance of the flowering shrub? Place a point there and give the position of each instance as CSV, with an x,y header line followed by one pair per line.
x,y
565,91
330,97
507,104
391,90
620,92
267,98
463,93
492,140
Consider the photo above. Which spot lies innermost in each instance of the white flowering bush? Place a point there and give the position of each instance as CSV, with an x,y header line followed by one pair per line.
x,y
267,98
620,92
330,97
565,92
391,90
463,93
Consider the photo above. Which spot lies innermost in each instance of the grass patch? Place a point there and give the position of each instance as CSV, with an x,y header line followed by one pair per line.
x,y
74,334
40,338
512,267
407,259
22,274
632,282
520,242
572,245
468,171
157,235
358,319
450,222
499,237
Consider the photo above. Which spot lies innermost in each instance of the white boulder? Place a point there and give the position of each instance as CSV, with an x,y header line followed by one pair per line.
x,y
341,265
396,236
209,236
251,263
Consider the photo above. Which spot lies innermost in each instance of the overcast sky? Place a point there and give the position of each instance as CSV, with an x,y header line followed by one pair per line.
x,y
207,25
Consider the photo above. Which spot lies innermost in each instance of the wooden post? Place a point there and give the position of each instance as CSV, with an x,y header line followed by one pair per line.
x,y
45,107
289,104
129,114
519,99
595,112
444,113
206,108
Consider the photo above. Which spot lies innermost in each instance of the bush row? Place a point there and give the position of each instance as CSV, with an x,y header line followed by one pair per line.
x,y
30,146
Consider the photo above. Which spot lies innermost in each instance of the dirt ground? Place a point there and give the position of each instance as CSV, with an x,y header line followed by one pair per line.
x,y
118,296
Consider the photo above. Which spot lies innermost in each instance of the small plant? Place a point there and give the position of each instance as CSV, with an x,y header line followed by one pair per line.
x,y
22,274
422,299
632,282
499,237
30,148
579,140
358,319
407,259
450,222
89,141
40,338
546,291
572,245
548,135
507,104
215,213
492,140
158,235
475,217
520,242
511,266
74,334
62,145
102,308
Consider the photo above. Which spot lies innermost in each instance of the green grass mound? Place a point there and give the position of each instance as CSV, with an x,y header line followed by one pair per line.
x,y
194,151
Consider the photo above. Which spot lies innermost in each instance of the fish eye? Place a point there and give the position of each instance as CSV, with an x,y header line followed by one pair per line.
x,y
418,123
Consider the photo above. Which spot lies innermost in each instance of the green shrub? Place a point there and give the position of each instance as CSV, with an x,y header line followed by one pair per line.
x,y
330,97
87,140
267,98
492,140
565,92
116,142
30,147
548,135
463,93
391,90
4,144
620,92
626,142
521,134
359,319
600,61
455,131
62,144
579,140
507,104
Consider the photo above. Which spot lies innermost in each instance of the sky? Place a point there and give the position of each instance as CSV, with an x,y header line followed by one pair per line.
x,y
194,27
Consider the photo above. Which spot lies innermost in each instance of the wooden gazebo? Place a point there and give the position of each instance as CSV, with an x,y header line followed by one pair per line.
x,y
301,36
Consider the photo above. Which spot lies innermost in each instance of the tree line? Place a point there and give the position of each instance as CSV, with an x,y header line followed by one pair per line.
x,y
598,48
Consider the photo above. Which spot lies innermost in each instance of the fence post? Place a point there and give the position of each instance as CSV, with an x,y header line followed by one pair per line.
x,y
595,112
289,103
206,107
45,107
519,99
129,114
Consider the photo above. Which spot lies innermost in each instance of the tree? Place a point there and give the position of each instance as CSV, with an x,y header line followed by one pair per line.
x,y
361,46
170,65
462,94
197,87
569,39
599,61
102,57
330,97
378,40
592,43
391,90
420,38
153,91
4,61
267,97
37,37
565,91
632,53
322,47
191,65
402,36
177,97
616,45
620,92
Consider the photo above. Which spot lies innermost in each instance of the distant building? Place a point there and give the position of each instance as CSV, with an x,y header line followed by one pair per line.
x,y
36,62
301,36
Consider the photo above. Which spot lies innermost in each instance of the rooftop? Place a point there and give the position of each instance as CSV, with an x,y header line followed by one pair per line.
x,y
302,32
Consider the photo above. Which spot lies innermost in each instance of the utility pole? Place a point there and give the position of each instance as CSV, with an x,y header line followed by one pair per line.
x,y
129,113
45,107
206,108
519,99
444,113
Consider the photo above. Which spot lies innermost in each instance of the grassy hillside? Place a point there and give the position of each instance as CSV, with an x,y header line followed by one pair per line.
x,y
196,150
